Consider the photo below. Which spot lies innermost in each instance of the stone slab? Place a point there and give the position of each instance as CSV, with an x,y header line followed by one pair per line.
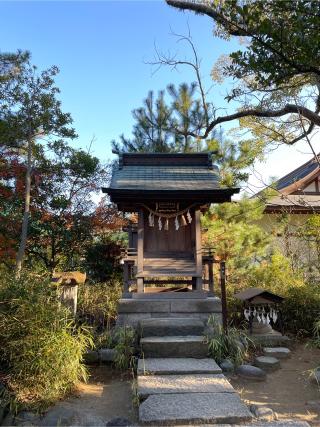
x,y
168,295
171,366
174,346
172,384
282,423
267,363
227,366
206,305
271,340
171,326
174,305
91,357
107,354
251,373
278,352
262,413
129,305
193,408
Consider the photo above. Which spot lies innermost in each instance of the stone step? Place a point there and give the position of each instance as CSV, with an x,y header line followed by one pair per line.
x,y
174,346
282,423
193,408
159,327
177,384
271,340
267,363
277,352
171,366
251,373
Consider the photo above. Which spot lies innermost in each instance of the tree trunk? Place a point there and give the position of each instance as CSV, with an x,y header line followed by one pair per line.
x,y
25,221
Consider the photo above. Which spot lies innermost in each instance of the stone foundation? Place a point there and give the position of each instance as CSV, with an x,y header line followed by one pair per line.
x,y
131,311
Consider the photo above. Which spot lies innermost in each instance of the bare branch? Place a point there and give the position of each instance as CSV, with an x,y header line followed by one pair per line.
x,y
257,112
171,61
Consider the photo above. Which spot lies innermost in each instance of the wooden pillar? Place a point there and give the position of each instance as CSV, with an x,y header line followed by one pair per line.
x,y
205,275
198,250
211,279
223,296
140,255
126,279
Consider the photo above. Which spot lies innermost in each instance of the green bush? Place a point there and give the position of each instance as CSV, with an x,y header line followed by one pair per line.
x,y
41,347
316,334
125,338
98,303
300,309
301,304
233,346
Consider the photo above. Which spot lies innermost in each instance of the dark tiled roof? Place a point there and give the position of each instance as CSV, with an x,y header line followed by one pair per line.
x,y
165,178
165,172
297,174
250,293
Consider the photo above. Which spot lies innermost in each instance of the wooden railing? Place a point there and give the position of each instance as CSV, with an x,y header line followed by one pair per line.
x,y
129,256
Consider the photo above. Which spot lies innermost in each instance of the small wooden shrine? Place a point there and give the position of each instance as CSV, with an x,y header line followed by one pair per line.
x,y
169,192
261,308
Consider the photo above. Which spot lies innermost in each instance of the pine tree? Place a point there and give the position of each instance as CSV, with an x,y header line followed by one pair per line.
x,y
29,111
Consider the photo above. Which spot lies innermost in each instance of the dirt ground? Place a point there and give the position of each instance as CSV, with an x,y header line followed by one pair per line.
x,y
288,390
108,394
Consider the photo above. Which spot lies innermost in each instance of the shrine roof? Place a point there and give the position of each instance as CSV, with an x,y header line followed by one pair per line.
x,y
166,174
141,177
250,293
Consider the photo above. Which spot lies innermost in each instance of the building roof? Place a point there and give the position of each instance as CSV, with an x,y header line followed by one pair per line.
x,y
300,203
251,293
297,175
298,191
167,175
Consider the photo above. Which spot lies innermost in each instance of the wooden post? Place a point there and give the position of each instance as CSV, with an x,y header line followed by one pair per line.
x,y
198,250
223,296
69,296
126,279
211,280
140,255
205,275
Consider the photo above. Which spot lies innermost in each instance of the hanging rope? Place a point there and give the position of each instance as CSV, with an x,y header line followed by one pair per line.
x,y
171,215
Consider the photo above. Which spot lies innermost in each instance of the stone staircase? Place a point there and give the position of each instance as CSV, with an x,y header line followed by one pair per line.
x,y
177,383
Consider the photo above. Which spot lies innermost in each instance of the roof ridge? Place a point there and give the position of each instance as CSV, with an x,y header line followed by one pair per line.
x,y
293,172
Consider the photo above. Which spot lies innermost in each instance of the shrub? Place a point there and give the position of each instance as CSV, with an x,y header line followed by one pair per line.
x,y
233,346
275,274
316,334
102,258
97,303
125,338
41,348
300,309
301,305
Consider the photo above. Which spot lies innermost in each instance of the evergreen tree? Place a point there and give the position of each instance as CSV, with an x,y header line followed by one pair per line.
x,y
151,129
187,115
29,112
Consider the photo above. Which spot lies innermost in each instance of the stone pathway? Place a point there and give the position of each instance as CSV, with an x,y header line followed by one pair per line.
x,y
288,391
177,384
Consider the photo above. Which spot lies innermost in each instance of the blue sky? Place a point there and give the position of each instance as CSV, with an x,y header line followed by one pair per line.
x,y
101,49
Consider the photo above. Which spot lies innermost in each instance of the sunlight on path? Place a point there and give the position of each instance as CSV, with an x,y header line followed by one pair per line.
x,y
287,390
